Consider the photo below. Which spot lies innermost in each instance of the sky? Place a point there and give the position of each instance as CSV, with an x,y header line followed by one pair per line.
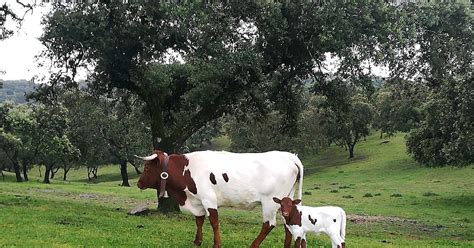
x,y
17,53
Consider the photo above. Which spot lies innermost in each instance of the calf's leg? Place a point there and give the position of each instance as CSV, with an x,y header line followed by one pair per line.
x,y
214,219
298,242
287,237
199,222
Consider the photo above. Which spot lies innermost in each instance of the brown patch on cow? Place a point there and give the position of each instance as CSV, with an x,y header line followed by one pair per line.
x,y
214,219
226,178
179,179
266,229
311,220
212,178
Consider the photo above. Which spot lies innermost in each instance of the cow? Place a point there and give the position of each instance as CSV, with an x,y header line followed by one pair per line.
x,y
302,219
203,181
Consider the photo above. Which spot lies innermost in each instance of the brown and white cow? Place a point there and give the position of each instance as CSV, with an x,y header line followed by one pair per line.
x,y
203,181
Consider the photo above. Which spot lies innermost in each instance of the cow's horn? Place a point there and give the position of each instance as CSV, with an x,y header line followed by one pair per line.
x,y
151,157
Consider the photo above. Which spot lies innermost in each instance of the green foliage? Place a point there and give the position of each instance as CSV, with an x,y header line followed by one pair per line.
x,y
397,106
446,134
347,122
252,134
18,133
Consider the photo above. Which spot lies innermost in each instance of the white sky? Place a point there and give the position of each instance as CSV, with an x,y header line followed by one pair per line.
x,y
17,52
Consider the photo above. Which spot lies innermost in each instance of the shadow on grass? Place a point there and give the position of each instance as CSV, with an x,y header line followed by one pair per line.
x,y
459,202
328,159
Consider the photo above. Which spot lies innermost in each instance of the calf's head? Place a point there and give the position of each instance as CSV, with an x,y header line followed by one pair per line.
x,y
150,178
286,204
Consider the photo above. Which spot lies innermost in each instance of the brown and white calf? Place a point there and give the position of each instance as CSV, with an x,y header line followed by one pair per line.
x,y
301,219
203,181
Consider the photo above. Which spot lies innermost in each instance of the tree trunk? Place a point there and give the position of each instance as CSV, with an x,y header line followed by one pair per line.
x,y
381,134
16,167
25,171
54,171
47,174
351,151
160,142
124,173
66,170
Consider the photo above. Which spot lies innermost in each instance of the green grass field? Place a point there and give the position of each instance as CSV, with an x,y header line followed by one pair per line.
x,y
390,201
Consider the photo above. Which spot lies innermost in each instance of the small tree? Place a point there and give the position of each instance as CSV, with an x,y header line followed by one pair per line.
x,y
18,137
54,146
123,127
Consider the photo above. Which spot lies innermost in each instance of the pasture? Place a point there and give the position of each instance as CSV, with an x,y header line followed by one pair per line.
x,y
390,201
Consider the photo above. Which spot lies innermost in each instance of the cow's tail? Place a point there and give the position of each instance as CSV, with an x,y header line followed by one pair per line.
x,y
343,225
299,178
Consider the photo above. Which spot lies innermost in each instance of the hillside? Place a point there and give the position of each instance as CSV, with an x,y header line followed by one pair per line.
x,y
390,201
15,90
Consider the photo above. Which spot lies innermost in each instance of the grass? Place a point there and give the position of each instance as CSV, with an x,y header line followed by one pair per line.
x,y
434,208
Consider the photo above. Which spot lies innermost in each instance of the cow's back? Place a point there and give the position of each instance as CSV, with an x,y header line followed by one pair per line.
x,y
242,179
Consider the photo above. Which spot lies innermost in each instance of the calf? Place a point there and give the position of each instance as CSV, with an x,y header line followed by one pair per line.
x,y
301,219
203,181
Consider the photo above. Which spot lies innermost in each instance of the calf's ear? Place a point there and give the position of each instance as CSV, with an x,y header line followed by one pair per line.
x,y
276,200
296,201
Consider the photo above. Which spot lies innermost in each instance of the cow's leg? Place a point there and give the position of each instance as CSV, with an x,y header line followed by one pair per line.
x,y
214,219
199,221
269,209
266,228
287,237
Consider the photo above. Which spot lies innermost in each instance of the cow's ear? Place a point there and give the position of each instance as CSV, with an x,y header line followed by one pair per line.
x,y
296,201
276,200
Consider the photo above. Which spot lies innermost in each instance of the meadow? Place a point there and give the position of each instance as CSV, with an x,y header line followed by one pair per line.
x,y
390,201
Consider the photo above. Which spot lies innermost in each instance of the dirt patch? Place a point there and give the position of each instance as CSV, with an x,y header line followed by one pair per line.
x,y
361,219
367,219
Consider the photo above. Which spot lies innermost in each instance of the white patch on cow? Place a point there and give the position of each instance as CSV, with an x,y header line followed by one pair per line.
x,y
253,178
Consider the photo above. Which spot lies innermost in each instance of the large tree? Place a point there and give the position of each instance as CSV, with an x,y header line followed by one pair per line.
x,y
250,56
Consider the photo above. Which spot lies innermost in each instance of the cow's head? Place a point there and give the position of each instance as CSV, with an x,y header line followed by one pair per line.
x,y
286,204
150,178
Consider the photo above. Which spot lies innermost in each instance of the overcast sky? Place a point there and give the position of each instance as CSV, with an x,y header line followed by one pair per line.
x,y
17,52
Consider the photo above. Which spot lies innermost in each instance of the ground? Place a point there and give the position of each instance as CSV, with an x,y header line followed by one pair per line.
x,y
390,201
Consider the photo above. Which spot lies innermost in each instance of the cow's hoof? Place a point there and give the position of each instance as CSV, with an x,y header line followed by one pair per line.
x,y
216,246
197,242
